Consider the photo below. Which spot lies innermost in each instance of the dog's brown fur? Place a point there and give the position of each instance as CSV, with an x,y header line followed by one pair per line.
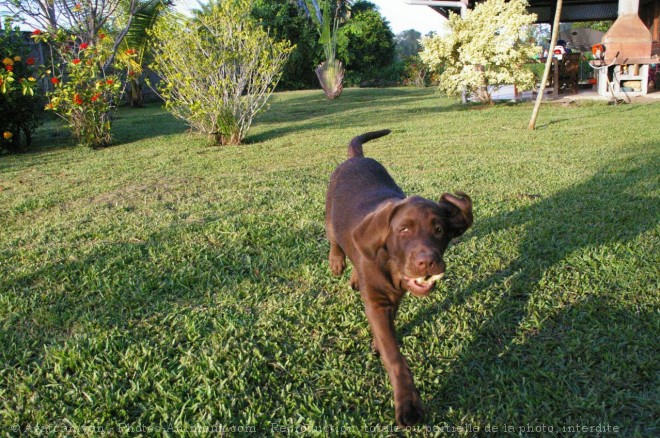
x,y
393,241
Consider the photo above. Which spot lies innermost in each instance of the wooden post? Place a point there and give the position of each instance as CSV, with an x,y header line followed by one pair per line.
x,y
548,63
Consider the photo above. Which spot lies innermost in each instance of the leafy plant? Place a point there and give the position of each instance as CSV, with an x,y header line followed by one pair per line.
x,y
366,42
416,73
138,20
485,50
21,102
330,72
218,70
84,94
87,18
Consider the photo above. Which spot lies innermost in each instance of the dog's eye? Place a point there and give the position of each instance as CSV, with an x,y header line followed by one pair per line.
x,y
403,230
438,230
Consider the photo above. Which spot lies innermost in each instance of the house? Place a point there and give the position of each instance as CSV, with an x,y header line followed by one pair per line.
x,y
632,43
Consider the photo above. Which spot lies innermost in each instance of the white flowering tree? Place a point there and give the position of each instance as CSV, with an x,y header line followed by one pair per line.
x,y
485,50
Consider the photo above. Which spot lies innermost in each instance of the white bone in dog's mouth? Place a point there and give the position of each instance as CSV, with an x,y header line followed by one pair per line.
x,y
429,279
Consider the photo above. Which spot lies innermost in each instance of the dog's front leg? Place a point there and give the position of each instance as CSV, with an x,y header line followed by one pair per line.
x,y
407,403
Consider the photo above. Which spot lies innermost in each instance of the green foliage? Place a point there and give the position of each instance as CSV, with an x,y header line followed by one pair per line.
x,y
21,101
488,48
284,21
366,43
218,69
137,18
84,94
416,73
327,19
602,26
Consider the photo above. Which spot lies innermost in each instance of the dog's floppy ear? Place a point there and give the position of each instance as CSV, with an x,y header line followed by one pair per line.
x,y
458,211
370,235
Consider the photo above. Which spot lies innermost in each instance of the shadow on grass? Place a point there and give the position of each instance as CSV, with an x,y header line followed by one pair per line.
x,y
135,124
130,125
554,350
352,109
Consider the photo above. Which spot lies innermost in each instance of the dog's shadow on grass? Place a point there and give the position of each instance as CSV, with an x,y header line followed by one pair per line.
x,y
501,359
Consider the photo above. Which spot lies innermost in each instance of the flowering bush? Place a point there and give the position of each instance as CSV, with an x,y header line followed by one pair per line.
x,y
83,93
488,48
21,104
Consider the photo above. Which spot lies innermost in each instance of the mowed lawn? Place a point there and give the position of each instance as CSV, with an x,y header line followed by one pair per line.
x,y
166,286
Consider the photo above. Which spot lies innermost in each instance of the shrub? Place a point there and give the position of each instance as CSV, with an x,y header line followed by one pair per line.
x,y
488,48
416,73
366,43
218,70
83,93
21,103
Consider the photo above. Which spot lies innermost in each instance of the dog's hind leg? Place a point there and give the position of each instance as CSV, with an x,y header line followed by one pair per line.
x,y
355,279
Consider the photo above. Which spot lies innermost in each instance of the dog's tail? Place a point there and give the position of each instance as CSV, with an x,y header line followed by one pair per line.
x,y
355,146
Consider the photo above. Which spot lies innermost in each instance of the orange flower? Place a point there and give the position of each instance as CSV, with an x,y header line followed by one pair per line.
x,y
30,61
7,135
96,97
77,99
131,52
76,61
54,81
109,82
83,46
37,32
9,67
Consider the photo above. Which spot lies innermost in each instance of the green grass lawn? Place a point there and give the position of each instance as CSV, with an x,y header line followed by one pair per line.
x,y
164,283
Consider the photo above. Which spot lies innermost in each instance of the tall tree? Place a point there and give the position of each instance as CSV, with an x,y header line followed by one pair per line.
x,y
366,42
285,21
407,43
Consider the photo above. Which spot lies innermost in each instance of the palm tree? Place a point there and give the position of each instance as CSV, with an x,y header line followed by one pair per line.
x,y
140,19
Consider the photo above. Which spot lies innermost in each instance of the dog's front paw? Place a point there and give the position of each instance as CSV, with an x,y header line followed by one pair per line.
x,y
337,265
409,410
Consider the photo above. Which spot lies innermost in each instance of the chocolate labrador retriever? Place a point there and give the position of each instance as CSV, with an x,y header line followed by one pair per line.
x,y
395,244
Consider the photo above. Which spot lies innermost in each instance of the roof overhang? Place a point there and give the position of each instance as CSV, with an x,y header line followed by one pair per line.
x,y
572,10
